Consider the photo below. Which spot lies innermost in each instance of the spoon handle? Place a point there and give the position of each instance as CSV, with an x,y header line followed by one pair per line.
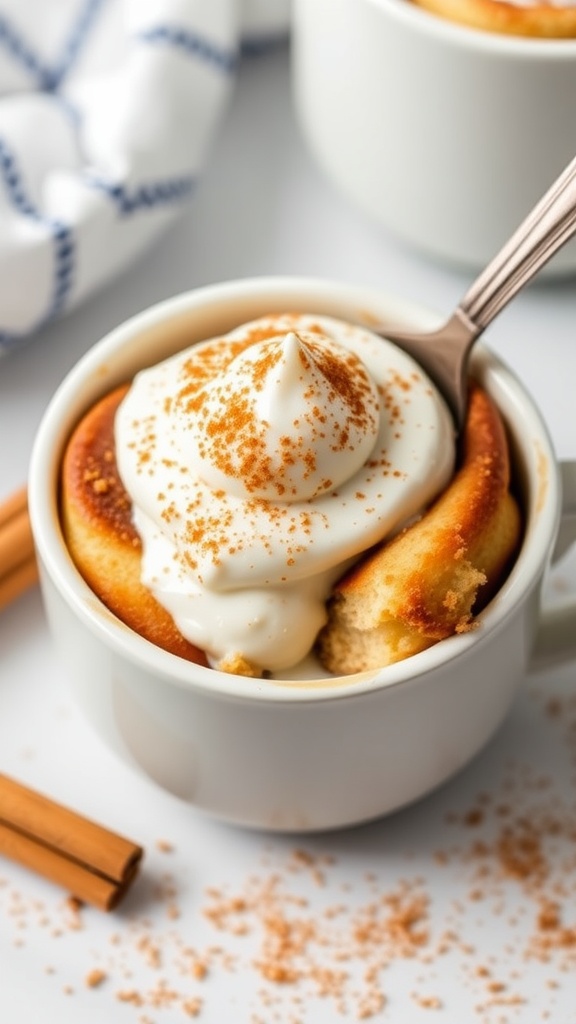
x,y
550,224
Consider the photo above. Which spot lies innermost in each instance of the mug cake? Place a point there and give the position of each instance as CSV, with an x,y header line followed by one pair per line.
x,y
555,19
294,485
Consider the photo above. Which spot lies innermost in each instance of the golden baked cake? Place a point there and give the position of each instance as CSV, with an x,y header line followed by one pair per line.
x,y
429,581
97,526
553,20
404,596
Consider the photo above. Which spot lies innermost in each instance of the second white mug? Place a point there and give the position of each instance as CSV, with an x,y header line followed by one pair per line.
x,y
445,135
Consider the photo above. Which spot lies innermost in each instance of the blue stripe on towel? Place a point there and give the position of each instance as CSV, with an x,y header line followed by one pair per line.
x,y
19,50
193,44
49,76
62,239
160,193
10,173
77,39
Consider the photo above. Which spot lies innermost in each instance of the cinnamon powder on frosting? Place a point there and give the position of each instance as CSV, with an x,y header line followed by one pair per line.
x,y
237,439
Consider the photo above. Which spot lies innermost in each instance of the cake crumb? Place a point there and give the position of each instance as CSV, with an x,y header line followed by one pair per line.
x,y
95,978
428,1002
192,1007
130,996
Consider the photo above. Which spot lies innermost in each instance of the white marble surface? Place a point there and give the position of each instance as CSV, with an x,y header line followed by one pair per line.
x,y
264,208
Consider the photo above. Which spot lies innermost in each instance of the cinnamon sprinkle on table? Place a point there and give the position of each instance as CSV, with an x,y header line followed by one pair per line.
x,y
306,935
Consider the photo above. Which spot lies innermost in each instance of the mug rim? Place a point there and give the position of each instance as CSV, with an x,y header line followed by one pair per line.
x,y
475,39
111,632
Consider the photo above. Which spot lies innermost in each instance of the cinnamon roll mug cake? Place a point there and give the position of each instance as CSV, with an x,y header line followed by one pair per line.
x,y
214,502
540,19
262,550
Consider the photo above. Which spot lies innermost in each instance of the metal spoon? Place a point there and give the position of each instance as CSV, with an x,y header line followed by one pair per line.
x,y
444,353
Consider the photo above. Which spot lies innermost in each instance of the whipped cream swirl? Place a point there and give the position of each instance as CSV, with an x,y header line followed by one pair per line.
x,y
262,463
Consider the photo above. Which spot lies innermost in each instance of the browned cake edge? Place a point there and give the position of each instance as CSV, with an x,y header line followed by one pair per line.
x,y
539,21
97,526
429,581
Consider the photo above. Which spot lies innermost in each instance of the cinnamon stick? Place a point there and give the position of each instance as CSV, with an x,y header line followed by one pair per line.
x,y
93,863
13,505
18,569
16,582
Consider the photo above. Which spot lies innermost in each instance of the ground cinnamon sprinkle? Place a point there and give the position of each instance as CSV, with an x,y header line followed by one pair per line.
x,y
235,437
95,977
307,940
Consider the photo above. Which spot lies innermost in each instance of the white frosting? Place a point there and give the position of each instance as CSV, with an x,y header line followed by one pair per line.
x,y
262,463
280,435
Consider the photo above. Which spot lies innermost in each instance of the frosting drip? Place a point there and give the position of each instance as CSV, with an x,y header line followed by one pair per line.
x,y
260,464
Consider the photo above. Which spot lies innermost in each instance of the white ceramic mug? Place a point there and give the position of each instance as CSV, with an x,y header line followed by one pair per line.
x,y
444,134
319,753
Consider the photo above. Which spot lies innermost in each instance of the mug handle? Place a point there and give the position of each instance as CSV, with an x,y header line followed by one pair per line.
x,y
556,637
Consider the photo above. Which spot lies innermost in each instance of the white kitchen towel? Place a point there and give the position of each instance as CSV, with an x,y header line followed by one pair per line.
x,y
107,111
